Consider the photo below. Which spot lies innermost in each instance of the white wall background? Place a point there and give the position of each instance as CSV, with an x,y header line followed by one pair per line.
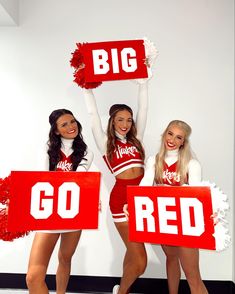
x,y
193,81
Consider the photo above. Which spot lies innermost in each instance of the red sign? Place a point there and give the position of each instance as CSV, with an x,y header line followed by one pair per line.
x,y
53,200
178,216
117,60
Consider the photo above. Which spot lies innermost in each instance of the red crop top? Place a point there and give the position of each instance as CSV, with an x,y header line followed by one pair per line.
x,y
124,156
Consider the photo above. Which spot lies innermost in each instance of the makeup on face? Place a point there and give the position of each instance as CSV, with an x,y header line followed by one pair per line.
x,y
67,126
174,138
122,122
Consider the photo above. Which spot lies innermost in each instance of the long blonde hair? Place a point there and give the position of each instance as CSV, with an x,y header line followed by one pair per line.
x,y
184,156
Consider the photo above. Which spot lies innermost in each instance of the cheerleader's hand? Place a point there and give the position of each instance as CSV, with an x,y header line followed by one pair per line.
x,y
125,210
215,218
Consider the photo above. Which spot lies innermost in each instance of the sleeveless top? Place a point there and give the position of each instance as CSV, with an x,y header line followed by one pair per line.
x,y
170,176
65,163
124,157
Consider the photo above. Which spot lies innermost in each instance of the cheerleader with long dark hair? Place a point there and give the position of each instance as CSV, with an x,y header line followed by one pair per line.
x,y
67,151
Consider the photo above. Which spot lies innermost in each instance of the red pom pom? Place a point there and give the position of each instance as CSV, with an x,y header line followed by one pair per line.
x,y
5,196
4,190
80,80
77,61
4,234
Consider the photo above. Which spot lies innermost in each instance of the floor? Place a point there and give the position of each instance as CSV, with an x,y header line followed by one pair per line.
x,y
14,291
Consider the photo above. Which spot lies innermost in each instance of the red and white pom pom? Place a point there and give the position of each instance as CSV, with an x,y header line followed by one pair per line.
x,y
220,207
5,197
77,62
151,54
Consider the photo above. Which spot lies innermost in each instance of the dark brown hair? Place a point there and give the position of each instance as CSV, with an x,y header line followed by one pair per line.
x,y
54,143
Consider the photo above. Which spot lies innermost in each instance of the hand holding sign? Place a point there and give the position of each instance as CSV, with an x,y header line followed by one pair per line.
x,y
117,60
54,200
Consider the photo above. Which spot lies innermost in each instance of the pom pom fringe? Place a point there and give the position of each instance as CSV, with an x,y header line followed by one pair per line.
x,y
220,206
4,190
77,62
151,54
5,197
150,51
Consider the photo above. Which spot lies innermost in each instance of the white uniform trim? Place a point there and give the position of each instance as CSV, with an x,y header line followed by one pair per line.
x,y
127,167
119,217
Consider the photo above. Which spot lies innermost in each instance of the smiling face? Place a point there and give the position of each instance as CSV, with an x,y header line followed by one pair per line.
x,y
122,122
174,137
67,126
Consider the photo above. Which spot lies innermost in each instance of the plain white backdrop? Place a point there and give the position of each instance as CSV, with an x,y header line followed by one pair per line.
x,y
193,81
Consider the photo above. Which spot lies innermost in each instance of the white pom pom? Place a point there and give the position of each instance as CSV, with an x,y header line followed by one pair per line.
x,y
150,51
151,54
221,235
220,206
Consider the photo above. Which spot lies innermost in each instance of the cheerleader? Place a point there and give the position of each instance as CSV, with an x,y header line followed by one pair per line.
x,y
66,152
175,165
123,152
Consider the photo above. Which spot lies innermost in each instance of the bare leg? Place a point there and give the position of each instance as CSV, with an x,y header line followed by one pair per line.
x,y
172,268
189,258
68,246
42,248
135,260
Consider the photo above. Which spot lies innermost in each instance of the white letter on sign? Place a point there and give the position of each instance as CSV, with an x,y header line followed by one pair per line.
x,y
62,200
132,66
100,63
115,61
46,204
141,214
165,215
199,227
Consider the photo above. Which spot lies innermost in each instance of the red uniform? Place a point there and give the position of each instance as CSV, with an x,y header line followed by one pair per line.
x,y
170,176
118,197
124,156
65,164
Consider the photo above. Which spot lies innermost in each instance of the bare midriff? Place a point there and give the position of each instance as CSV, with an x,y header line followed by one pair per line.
x,y
131,173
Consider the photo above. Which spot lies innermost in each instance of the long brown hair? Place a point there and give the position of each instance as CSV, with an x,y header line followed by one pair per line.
x,y
131,135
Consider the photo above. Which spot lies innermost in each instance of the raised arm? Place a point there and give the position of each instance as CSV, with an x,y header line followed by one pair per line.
x,y
96,126
141,117
85,163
